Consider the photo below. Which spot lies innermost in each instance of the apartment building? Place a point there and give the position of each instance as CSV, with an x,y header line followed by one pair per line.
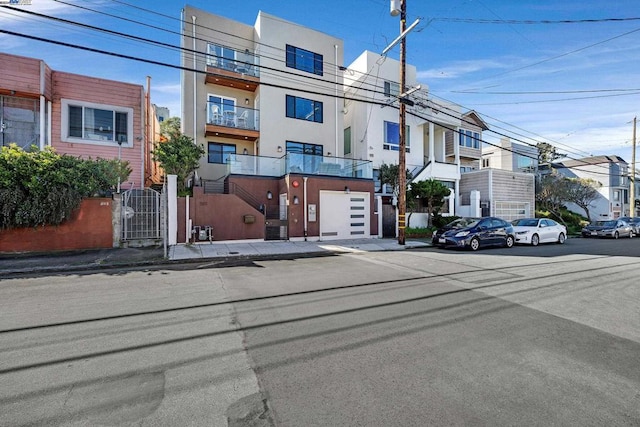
x,y
265,101
75,114
442,141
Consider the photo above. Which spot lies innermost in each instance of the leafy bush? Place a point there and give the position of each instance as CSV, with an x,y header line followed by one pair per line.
x,y
574,221
43,187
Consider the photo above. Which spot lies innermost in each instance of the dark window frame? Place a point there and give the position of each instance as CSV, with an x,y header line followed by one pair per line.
x,y
294,109
225,149
304,60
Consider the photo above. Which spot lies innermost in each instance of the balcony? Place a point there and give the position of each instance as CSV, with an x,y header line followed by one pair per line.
x,y
232,68
229,121
305,164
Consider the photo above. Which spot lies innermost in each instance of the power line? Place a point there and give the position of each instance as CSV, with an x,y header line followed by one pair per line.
x,y
534,22
129,57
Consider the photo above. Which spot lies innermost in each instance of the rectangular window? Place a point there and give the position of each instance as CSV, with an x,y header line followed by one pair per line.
x,y
304,109
392,137
347,141
96,123
391,89
221,111
219,153
467,138
304,60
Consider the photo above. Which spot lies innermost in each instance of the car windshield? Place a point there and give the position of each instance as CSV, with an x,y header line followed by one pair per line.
x,y
529,222
609,223
463,223
598,223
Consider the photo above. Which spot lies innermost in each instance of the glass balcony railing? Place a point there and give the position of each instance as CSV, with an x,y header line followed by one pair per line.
x,y
243,164
237,61
232,116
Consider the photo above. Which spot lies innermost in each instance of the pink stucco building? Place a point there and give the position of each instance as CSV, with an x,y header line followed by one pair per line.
x,y
77,115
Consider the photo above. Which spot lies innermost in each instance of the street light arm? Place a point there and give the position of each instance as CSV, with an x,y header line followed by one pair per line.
x,y
400,37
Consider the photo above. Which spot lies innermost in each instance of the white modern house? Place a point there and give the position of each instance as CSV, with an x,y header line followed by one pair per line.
x,y
442,142
612,173
265,102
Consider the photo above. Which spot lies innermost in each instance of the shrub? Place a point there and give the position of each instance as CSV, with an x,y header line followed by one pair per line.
x,y
43,187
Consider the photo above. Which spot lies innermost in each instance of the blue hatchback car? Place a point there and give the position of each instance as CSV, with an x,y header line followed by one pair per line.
x,y
488,231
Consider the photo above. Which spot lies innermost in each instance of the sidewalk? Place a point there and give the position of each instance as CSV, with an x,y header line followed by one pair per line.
x,y
225,251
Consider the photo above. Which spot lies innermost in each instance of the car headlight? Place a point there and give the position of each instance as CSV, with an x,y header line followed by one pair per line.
x,y
462,233
521,232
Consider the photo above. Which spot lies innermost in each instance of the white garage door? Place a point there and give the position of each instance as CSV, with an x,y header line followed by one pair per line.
x,y
344,215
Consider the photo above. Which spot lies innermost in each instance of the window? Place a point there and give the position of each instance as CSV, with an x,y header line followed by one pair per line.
x,y
85,122
485,163
467,138
221,110
391,89
304,148
392,137
464,169
304,60
304,109
219,153
347,141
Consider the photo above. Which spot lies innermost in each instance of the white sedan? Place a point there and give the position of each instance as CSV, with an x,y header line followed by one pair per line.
x,y
532,231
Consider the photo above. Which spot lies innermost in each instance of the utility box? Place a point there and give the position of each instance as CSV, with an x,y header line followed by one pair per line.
x,y
249,219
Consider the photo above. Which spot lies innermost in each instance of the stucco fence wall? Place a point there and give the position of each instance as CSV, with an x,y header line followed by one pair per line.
x,y
90,227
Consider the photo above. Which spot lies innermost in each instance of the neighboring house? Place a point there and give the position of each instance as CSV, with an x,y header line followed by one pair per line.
x,y
264,102
612,174
77,115
506,194
511,156
442,142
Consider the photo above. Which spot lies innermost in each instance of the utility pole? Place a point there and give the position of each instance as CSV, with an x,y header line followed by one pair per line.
x,y
402,162
632,182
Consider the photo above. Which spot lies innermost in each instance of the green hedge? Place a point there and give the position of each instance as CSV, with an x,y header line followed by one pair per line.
x,y
44,188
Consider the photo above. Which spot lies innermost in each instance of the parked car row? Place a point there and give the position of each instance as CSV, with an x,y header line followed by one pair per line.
x,y
474,233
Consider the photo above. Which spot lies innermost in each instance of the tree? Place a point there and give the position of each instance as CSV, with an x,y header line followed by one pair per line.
x,y
178,156
389,175
170,128
432,193
582,191
552,194
547,153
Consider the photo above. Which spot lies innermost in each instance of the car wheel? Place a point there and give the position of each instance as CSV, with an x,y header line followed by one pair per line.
x,y
616,235
535,240
561,238
474,244
509,242
631,234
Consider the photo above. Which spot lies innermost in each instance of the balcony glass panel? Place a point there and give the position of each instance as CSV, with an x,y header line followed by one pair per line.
x,y
222,113
244,164
237,61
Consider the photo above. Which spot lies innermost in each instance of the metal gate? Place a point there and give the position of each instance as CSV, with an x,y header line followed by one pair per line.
x,y
141,214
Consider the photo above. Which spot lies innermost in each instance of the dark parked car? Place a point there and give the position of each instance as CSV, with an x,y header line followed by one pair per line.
x,y
489,231
591,230
456,224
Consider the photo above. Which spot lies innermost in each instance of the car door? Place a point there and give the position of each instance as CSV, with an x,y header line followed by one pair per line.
x,y
548,231
485,232
499,232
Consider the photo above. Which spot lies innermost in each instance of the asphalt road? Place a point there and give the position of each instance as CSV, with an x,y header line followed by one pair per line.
x,y
523,336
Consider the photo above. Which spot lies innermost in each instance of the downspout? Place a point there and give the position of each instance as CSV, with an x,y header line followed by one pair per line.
x,y
195,92
43,105
142,139
304,205
335,46
149,136
182,73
